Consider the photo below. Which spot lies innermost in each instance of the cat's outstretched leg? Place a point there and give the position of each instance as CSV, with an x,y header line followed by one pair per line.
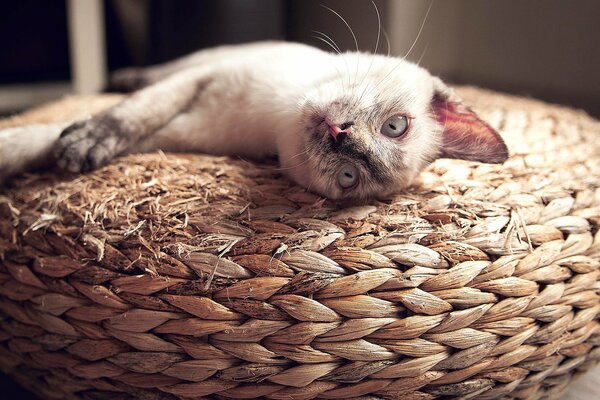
x,y
26,147
89,144
128,80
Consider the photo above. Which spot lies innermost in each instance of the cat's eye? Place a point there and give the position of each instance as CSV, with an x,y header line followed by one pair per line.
x,y
347,176
395,126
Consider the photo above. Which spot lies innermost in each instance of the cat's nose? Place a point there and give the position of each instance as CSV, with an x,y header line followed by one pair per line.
x,y
336,130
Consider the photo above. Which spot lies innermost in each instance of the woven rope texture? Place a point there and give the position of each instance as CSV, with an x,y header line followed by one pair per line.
x,y
175,276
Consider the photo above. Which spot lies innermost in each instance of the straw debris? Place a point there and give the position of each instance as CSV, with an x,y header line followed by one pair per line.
x,y
168,276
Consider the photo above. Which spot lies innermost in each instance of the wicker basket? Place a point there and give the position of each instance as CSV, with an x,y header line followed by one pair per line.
x,y
164,276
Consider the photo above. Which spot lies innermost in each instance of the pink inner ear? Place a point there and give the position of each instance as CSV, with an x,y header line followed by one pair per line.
x,y
467,137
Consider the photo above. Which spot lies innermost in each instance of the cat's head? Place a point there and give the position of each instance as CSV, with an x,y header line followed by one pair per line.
x,y
375,124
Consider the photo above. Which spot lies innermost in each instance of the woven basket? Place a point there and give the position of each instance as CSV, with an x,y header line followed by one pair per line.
x,y
166,276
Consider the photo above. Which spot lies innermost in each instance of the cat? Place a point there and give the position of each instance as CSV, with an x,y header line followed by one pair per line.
x,y
347,126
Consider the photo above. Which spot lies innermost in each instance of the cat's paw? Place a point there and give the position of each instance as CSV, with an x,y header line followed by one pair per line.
x,y
90,144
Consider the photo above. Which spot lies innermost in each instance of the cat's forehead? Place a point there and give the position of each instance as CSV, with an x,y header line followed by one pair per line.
x,y
397,80
379,67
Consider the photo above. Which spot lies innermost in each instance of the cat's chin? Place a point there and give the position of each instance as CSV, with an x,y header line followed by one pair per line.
x,y
305,177
297,172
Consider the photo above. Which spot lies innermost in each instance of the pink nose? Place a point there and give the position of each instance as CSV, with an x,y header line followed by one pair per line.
x,y
335,130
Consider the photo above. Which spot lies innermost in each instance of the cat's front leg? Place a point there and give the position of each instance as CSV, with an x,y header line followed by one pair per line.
x,y
26,147
91,143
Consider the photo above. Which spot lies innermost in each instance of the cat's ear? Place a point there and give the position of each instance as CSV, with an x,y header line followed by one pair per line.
x,y
465,136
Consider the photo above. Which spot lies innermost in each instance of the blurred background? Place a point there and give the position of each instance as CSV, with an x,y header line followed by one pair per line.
x,y
548,49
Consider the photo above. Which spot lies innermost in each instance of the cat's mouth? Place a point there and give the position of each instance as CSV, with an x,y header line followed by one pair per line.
x,y
333,173
341,164
345,149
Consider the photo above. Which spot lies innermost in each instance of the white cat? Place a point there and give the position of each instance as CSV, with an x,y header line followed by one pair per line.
x,y
349,125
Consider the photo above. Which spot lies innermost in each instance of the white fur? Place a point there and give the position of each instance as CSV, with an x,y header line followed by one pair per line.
x,y
260,99
24,147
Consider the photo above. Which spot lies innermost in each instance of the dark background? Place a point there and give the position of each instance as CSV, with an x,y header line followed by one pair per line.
x,y
548,49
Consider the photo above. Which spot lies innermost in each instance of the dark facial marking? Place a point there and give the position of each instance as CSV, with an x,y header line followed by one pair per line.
x,y
347,146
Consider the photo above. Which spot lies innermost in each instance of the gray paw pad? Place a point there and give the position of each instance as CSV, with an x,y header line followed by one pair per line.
x,y
87,145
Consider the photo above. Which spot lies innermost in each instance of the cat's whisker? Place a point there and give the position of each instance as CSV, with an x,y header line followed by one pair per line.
x,y
389,74
382,81
299,154
387,40
324,41
333,47
280,168
310,185
345,22
376,86
347,84
310,158
327,39
386,77
351,32
420,29
374,52
423,53
378,27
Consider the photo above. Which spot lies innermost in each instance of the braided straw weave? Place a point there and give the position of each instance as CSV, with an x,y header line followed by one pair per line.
x,y
165,276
